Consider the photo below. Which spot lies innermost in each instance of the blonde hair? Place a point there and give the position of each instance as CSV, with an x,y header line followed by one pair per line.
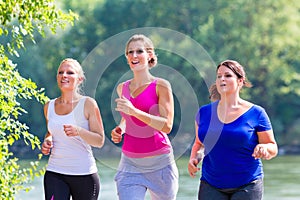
x,y
148,44
76,65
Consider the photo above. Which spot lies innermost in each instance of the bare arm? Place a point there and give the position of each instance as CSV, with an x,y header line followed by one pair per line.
x,y
47,143
267,147
94,136
196,155
116,133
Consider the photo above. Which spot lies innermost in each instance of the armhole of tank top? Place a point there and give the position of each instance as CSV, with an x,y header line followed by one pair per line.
x,y
81,104
125,87
155,83
51,107
83,99
47,116
122,89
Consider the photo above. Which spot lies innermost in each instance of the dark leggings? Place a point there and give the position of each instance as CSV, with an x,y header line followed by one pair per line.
x,y
250,191
62,187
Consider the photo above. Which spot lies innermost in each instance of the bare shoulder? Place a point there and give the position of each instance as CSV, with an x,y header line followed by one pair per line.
x,y
46,105
90,107
247,104
120,87
46,109
90,101
163,83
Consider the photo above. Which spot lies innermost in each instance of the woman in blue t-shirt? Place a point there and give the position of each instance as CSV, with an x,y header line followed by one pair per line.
x,y
235,135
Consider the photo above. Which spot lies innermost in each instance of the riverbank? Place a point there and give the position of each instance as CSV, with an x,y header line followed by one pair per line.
x,y
282,175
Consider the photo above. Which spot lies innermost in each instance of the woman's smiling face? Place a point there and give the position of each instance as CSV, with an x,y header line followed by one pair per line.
x,y
67,76
137,56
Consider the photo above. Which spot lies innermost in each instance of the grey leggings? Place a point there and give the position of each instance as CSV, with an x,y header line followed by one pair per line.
x,y
62,187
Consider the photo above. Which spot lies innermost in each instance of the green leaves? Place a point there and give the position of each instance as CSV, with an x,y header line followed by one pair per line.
x,y
21,20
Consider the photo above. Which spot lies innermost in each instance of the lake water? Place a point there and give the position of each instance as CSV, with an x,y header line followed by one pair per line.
x,y
282,181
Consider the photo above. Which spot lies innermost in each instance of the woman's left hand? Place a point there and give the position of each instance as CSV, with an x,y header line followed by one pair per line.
x,y
261,151
71,130
124,105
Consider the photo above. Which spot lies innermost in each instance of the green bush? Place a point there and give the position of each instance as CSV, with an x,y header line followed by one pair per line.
x,y
20,20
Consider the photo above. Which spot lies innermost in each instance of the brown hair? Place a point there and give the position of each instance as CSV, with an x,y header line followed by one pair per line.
x,y
237,69
148,46
214,95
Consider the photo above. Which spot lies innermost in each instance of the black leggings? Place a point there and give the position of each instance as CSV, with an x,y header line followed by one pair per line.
x,y
62,187
250,191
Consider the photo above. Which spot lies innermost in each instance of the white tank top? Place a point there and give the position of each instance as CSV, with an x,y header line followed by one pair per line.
x,y
69,155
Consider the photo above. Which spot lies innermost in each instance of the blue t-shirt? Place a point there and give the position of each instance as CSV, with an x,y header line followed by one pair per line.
x,y
228,161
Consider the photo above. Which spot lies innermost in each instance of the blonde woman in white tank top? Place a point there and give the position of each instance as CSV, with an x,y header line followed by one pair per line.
x,y
74,126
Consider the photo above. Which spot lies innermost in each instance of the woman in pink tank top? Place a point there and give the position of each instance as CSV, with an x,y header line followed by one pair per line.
x,y
146,105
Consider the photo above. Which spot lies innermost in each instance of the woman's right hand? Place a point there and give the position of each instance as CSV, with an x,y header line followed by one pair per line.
x,y
116,135
46,146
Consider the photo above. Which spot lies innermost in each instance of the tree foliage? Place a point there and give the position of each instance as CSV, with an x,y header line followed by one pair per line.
x,y
20,21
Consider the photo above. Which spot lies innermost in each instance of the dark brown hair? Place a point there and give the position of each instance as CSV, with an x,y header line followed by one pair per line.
x,y
214,95
237,69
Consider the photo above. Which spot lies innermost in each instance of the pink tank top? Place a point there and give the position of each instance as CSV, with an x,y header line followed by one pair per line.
x,y
141,140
